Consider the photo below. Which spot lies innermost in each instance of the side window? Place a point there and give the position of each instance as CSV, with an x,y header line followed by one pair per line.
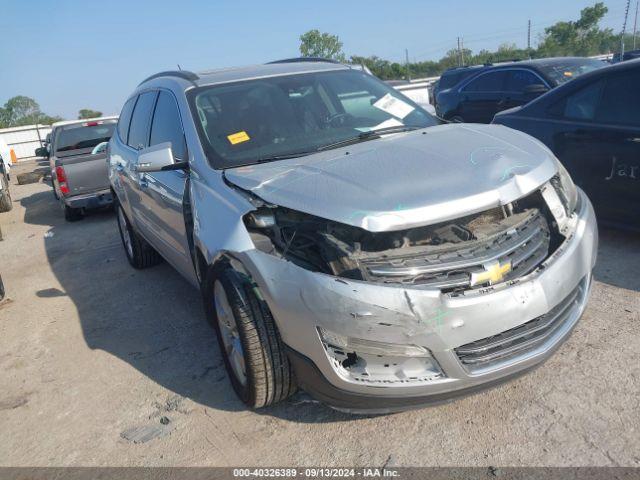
x,y
580,105
518,80
166,126
140,121
621,100
488,82
125,118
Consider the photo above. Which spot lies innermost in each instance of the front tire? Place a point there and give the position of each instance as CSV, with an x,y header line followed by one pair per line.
x,y
253,351
139,253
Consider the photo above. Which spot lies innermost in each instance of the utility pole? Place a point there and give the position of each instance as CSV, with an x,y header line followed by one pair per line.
x,y
635,25
458,51
529,39
406,57
462,50
624,29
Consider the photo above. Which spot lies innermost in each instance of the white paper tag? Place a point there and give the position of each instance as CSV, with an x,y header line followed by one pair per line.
x,y
394,106
392,122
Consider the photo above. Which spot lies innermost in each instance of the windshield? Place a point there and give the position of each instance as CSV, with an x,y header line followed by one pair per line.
x,y
562,72
271,118
83,136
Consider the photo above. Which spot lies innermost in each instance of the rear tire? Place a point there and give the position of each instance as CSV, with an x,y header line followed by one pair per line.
x,y
72,214
249,339
5,196
139,253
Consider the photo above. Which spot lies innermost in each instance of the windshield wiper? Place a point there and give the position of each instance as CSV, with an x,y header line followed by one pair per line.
x,y
284,156
371,134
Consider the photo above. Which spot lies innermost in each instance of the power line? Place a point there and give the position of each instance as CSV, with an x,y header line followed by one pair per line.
x,y
635,25
624,29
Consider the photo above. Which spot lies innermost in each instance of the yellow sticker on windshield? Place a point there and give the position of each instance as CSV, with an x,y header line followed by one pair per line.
x,y
238,137
568,74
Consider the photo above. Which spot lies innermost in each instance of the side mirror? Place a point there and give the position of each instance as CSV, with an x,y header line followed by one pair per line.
x,y
158,158
536,89
42,152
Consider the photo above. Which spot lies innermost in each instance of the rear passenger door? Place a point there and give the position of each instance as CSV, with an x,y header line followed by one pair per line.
x,y
162,193
480,98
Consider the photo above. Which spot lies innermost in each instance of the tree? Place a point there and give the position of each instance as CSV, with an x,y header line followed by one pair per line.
x,y
582,37
21,110
88,113
324,45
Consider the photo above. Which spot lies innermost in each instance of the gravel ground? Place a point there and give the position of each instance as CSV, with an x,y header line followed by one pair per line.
x,y
101,365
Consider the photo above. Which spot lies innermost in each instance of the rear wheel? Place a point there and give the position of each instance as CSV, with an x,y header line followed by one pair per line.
x,y
71,214
253,351
5,195
139,253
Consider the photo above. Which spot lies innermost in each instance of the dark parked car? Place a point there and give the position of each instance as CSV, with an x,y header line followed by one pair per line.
x,y
452,77
630,55
491,89
593,126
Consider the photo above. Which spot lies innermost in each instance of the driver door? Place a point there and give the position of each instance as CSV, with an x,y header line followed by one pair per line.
x,y
162,193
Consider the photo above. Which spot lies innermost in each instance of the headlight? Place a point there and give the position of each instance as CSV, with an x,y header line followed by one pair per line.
x,y
566,189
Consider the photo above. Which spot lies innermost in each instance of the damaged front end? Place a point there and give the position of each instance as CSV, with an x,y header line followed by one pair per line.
x,y
452,258
475,251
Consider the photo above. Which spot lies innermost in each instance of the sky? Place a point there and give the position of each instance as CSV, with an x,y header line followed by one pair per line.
x,y
69,55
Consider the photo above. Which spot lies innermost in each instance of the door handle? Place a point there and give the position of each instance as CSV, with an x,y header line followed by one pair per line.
x,y
142,181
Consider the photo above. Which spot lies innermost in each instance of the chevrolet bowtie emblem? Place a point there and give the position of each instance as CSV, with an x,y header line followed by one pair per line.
x,y
494,273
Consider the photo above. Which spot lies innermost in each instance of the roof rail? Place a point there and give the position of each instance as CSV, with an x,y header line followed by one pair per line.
x,y
304,59
185,74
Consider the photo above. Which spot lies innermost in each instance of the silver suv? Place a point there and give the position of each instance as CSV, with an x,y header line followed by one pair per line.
x,y
345,241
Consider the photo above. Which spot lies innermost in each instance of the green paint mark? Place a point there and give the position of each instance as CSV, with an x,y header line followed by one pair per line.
x,y
507,171
438,320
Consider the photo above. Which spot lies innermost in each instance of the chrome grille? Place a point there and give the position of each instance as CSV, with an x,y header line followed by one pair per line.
x,y
492,351
525,245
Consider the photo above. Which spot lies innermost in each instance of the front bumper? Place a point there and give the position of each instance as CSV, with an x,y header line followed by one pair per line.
x,y
301,301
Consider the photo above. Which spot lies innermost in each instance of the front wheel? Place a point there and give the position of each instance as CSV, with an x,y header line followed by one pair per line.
x,y
253,352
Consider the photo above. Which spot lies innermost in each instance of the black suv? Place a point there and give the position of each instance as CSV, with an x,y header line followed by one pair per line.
x,y
451,77
493,88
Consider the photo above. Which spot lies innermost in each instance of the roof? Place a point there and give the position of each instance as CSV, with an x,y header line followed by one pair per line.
x,y
536,62
235,74
72,122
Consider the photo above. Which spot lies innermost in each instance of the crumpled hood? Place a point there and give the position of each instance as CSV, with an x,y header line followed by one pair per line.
x,y
408,179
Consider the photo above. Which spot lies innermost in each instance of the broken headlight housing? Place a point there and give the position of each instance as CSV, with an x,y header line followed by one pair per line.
x,y
369,346
360,360
566,189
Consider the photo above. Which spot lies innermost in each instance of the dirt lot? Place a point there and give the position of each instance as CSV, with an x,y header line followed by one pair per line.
x,y
104,365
